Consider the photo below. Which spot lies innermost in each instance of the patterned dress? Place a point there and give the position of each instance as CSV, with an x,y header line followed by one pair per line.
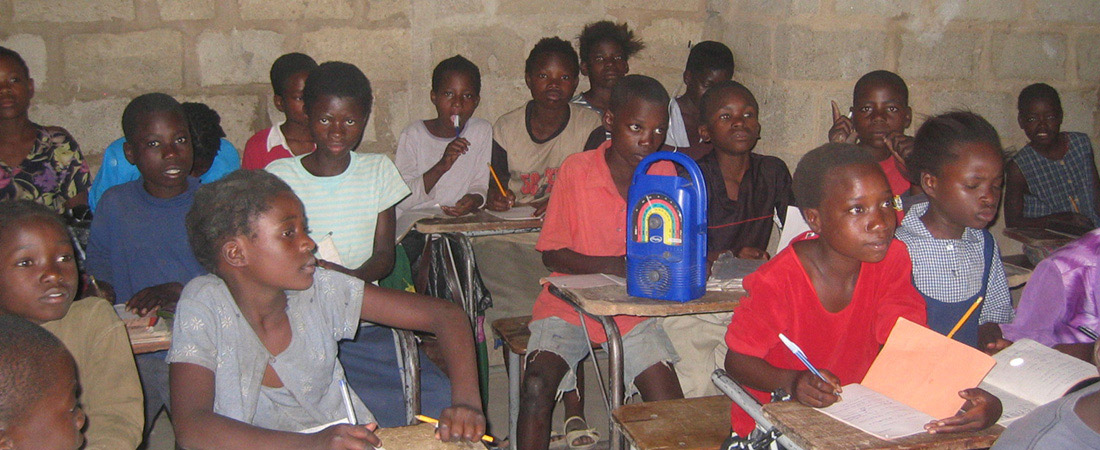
x,y
53,172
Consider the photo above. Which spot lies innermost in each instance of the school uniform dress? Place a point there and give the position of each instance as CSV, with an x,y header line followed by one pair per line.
x,y
781,299
116,170
53,172
1062,294
265,146
1055,186
952,274
765,190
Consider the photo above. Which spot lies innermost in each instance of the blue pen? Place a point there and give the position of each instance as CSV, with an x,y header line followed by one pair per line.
x,y
802,357
458,128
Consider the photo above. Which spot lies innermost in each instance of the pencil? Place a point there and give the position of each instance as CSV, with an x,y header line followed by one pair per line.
x,y
1088,332
432,421
1073,201
497,179
965,317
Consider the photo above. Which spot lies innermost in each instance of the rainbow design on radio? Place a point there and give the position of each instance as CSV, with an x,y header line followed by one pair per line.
x,y
658,221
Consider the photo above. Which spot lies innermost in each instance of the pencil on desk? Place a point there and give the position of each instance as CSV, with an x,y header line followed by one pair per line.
x,y
435,422
493,172
965,317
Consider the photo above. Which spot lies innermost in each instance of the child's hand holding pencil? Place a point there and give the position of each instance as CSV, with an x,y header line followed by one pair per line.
x,y
459,423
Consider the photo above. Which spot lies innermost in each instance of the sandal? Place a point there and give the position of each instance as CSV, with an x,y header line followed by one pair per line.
x,y
582,431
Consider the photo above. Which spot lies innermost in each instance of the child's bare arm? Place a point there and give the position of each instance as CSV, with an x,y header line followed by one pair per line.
x,y
803,386
1015,189
568,261
380,262
455,149
842,130
980,411
198,427
464,420
990,339
152,298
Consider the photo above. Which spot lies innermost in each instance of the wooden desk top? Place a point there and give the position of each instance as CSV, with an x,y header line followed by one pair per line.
x,y
817,431
686,424
419,437
613,300
481,221
1038,237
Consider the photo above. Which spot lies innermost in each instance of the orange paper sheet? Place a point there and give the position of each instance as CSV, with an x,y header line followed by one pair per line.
x,y
926,370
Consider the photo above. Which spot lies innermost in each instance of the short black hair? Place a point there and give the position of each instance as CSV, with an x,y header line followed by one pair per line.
x,y
338,79
206,129
810,175
606,30
144,105
9,53
708,103
709,55
459,64
227,208
286,66
14,212
1038,91
640,87
937,140
550,45
28,355
881,77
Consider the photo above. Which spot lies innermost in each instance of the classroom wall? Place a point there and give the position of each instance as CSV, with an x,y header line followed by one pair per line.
x,y
89,57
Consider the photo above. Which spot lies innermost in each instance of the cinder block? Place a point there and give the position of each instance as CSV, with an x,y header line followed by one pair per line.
x,y
884,8
1080,108
238,113
751,44
557,8
33,50
187,9
237,57
1039,56
94,124
667,47
1088,58
787,117
496,49
951,55
986,10
779,7
659,5
296,9
72,11
804,54
384,55
999,108
139,61
1076,11
390,10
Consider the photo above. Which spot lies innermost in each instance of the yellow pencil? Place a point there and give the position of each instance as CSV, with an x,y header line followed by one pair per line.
x,y
965,317
495,178
1073,201
432,421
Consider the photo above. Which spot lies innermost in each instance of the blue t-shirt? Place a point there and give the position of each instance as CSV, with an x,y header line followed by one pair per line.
x,y
117,170
138,240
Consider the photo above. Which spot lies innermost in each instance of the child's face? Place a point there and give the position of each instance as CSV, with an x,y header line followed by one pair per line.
x,y
637,129
54,421
698,82
1041,121
161,150
279,253
968,189
878,110
37,271
733,127
605,64
337,124
291,103
456,96
856,217
16,89
553,80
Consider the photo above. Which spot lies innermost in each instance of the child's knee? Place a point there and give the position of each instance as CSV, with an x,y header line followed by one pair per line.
x,y
542,375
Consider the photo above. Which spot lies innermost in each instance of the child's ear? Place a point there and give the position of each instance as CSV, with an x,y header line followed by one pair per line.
x,y
128,151
279,103
608,119
929,183
687,78
813,218
527,79
908,116
584,68
431,95
704,133
233,253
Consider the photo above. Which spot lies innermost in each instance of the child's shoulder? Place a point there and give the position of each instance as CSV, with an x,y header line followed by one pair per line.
x,y
512,118
582,115
769,162
86,319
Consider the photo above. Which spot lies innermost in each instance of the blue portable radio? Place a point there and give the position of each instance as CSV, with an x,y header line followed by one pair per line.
x,y
666,244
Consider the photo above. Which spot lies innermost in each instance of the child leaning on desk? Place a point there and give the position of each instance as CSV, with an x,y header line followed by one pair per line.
x,y
584,232
253,358
836,292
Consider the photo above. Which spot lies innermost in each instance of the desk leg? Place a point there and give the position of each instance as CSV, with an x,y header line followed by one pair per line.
x,y
410,373
615,367
463,287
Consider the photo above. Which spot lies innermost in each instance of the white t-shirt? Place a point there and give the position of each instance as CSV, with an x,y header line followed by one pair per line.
x,y
418,150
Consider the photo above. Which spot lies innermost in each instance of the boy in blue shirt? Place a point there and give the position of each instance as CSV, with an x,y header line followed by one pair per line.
x,y
138,244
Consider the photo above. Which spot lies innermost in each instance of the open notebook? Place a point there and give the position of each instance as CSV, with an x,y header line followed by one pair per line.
x,y
1029,374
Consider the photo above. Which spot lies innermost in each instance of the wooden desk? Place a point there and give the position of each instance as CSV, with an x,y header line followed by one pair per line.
x,y
419,437
813,430
480,223
149,346
686,424
604,302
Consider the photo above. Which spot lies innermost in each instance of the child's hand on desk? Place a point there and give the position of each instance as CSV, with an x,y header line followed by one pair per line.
x,y
810,390
980,411
993,347
498,202
540,207
465,205
842,132
752,253
460,423
153,298
348,437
